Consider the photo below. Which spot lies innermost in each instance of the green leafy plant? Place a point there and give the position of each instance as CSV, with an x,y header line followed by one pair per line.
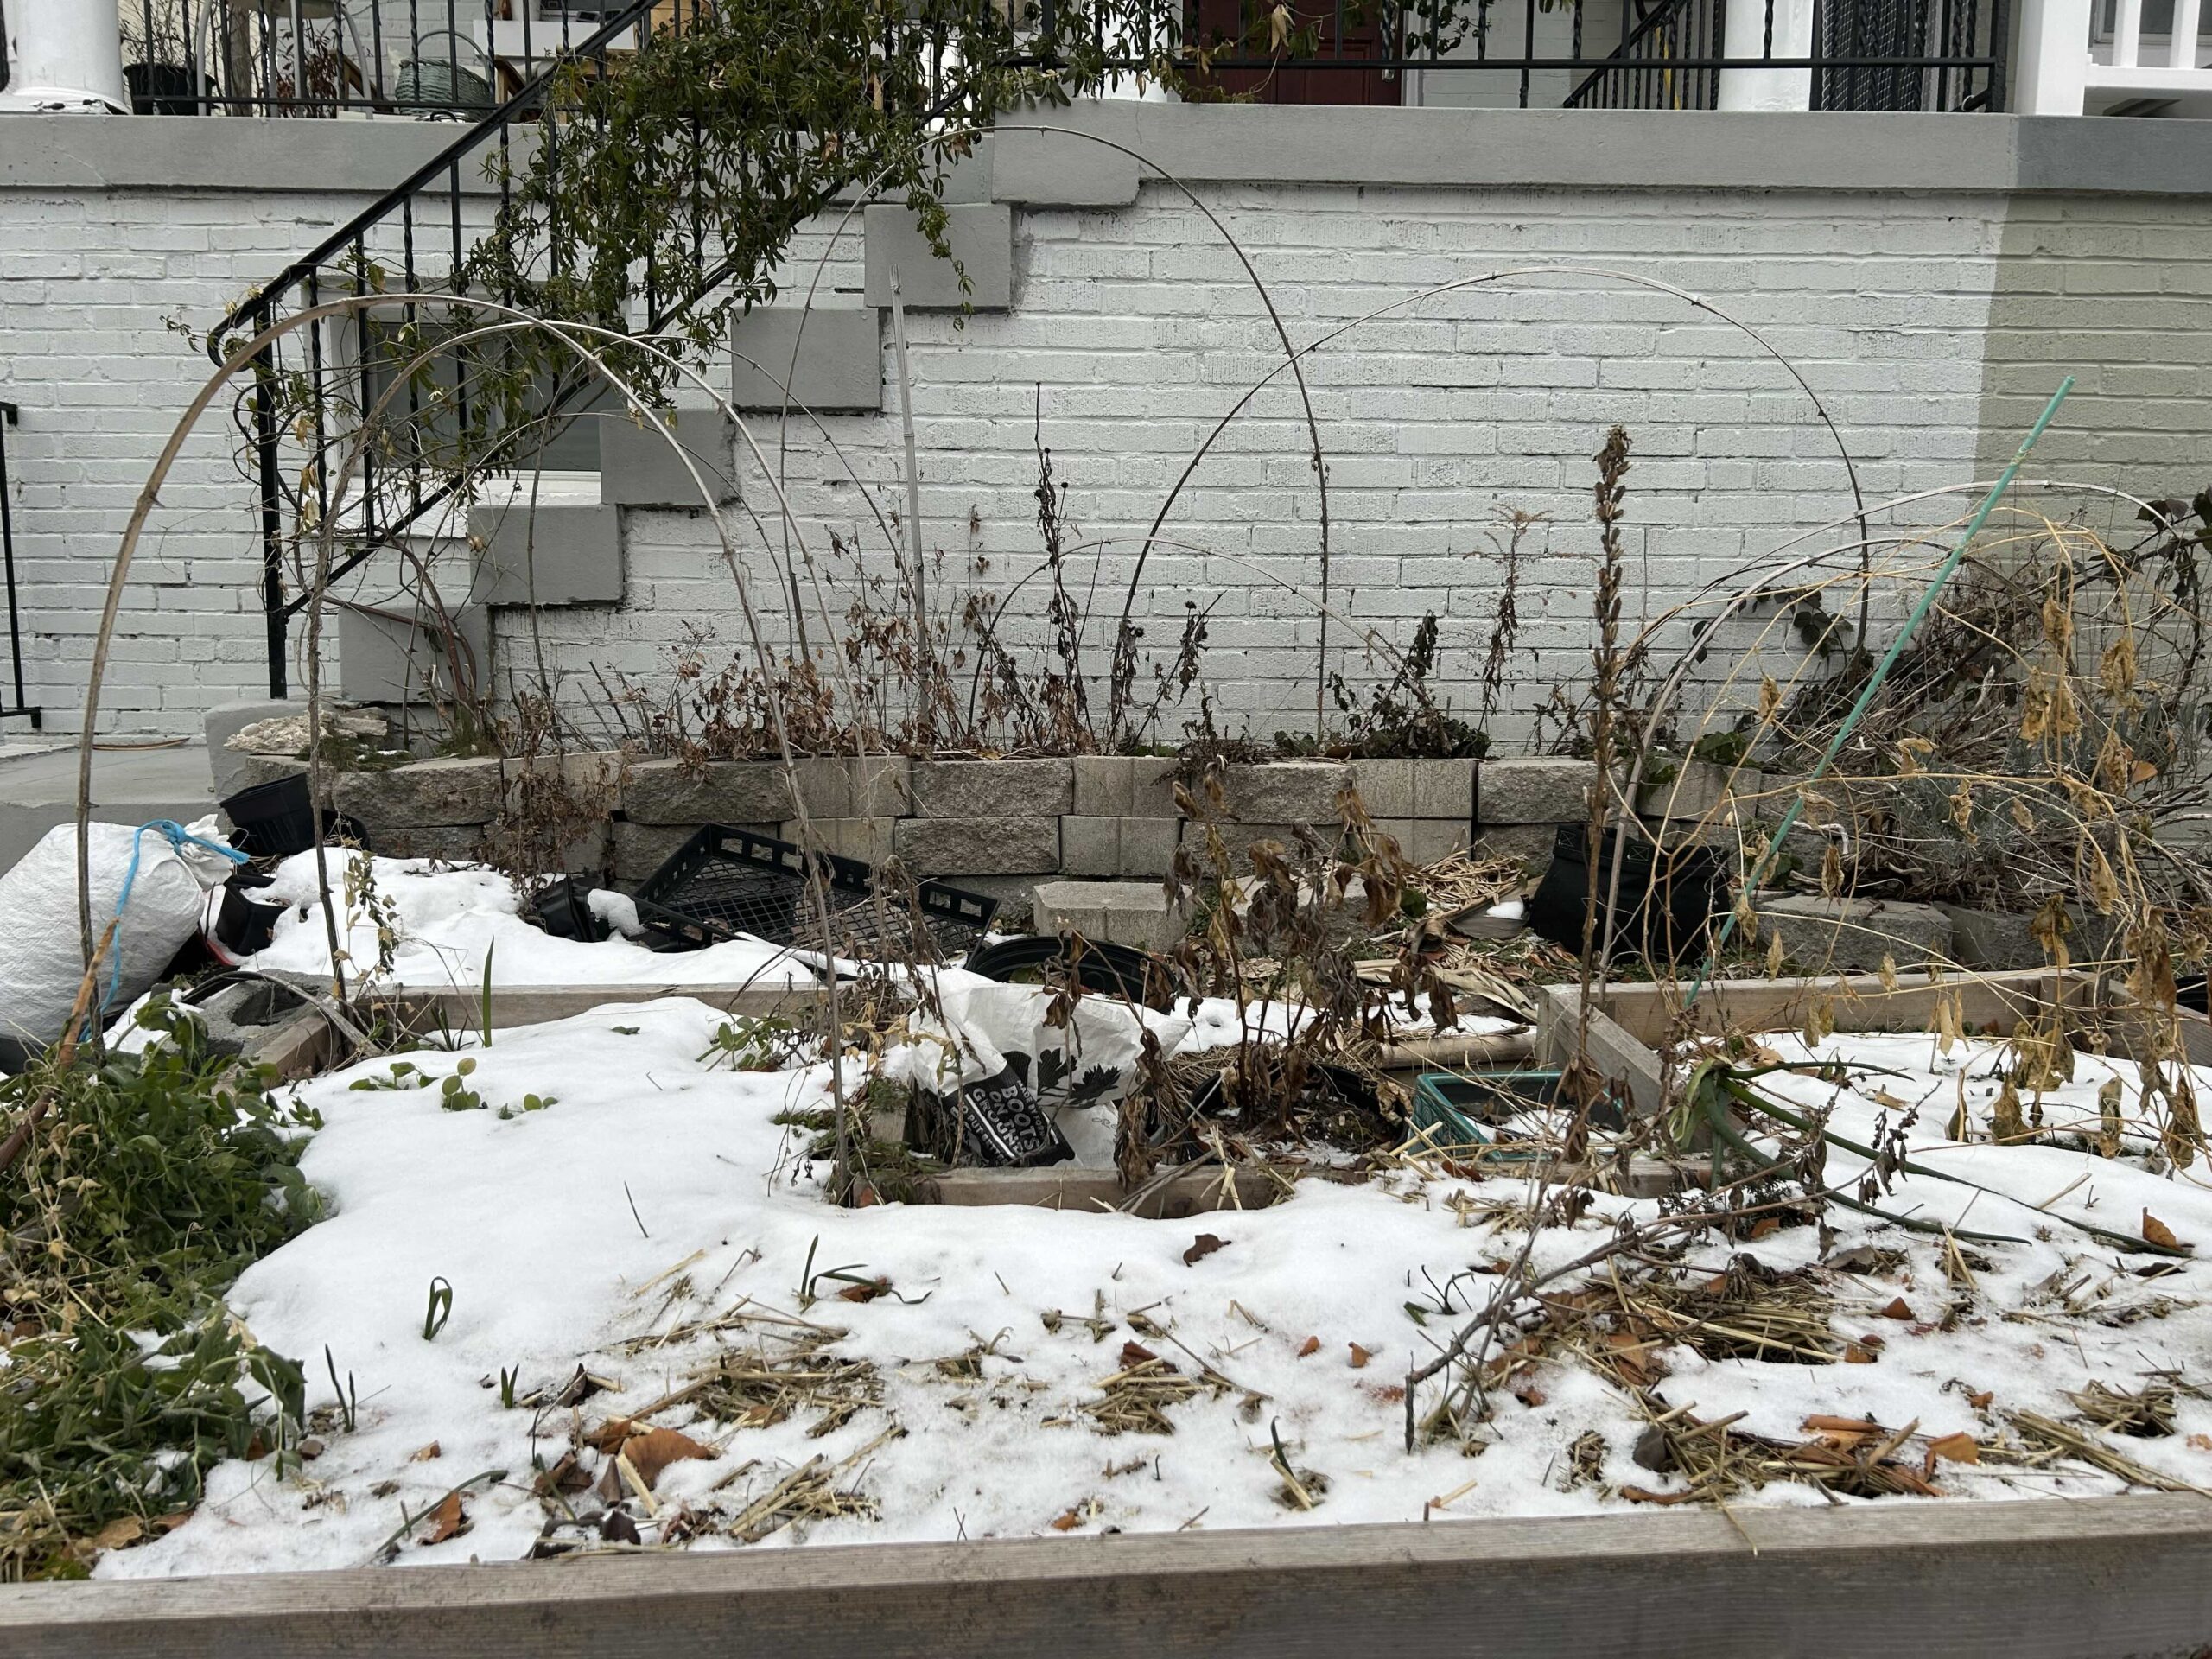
x,y
454,1096
152,1181
439,1310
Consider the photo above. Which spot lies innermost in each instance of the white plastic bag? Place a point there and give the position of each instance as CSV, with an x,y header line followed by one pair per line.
x,y
41,960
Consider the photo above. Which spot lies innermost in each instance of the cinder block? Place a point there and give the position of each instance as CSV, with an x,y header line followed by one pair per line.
x,y
638,467
1698,790
982,240
1105,785
1386,787
388,659
1850,936
1286,791
1116,912
455,844
1090,845
1239,840
641,848
839,366
736,791
995,846
1148,845
427,794
1531,843
1430,839
869,839
1444,789
1537,790
982,789
882,785
1152,787
557,553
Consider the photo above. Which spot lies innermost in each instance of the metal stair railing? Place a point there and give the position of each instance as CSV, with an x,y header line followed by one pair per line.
x,y
420,225
14,701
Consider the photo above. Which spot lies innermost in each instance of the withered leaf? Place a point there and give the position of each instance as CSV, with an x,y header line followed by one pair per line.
x,y
1955,1448
1310,1345
423,1454
1897,1310
866,1293
1202,1247
653,1451
2156,1232
1360,1356
1135,1353
1067,1522
447,1521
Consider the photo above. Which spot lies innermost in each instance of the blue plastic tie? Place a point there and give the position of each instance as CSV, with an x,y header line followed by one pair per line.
x,y
177,835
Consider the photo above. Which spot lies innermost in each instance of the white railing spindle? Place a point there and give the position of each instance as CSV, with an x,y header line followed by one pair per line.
x,y
2127,35
2182,53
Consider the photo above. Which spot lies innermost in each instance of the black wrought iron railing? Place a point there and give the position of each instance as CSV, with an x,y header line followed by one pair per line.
x,y
463,59
1940,56
15,701
1943,55
454,59
413,240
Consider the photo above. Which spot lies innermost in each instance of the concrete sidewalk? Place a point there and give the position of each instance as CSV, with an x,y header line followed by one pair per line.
x,y
38,789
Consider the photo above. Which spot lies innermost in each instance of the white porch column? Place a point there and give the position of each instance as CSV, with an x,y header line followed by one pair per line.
x,y
2053,76
65,54
1744,34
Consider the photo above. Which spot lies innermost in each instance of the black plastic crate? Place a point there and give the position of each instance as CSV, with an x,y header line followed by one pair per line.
x,y
949,920
725,881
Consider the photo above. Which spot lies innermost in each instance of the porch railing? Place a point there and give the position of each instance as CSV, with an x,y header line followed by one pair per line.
x,y
453,58
14,702
2115,57
463,59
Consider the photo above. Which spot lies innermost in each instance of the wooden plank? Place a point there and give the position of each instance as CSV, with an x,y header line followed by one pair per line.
x,y
1070,1187
1860,1001
424,1007
2037,1580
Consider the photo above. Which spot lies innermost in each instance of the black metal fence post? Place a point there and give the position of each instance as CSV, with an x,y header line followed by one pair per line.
x,y
22,706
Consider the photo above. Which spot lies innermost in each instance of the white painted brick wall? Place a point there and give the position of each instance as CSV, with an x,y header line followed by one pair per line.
x,y
1141,331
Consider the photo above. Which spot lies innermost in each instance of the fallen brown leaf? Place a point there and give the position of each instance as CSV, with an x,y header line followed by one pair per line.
x,y
1067,1522
609,1435
1980,1402
2200,1442
2156,1232
1202,1247
1359,1356
1310,1345
448,1520
1135,1353
1644,1495
653,1451
425,1453
1858,1353
1530,1395
866,1293
1897,1310
1955,1448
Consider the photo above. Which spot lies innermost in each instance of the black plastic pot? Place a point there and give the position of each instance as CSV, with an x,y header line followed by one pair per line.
x,y
242,925
275,818
1667,902
1103,968
564,911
